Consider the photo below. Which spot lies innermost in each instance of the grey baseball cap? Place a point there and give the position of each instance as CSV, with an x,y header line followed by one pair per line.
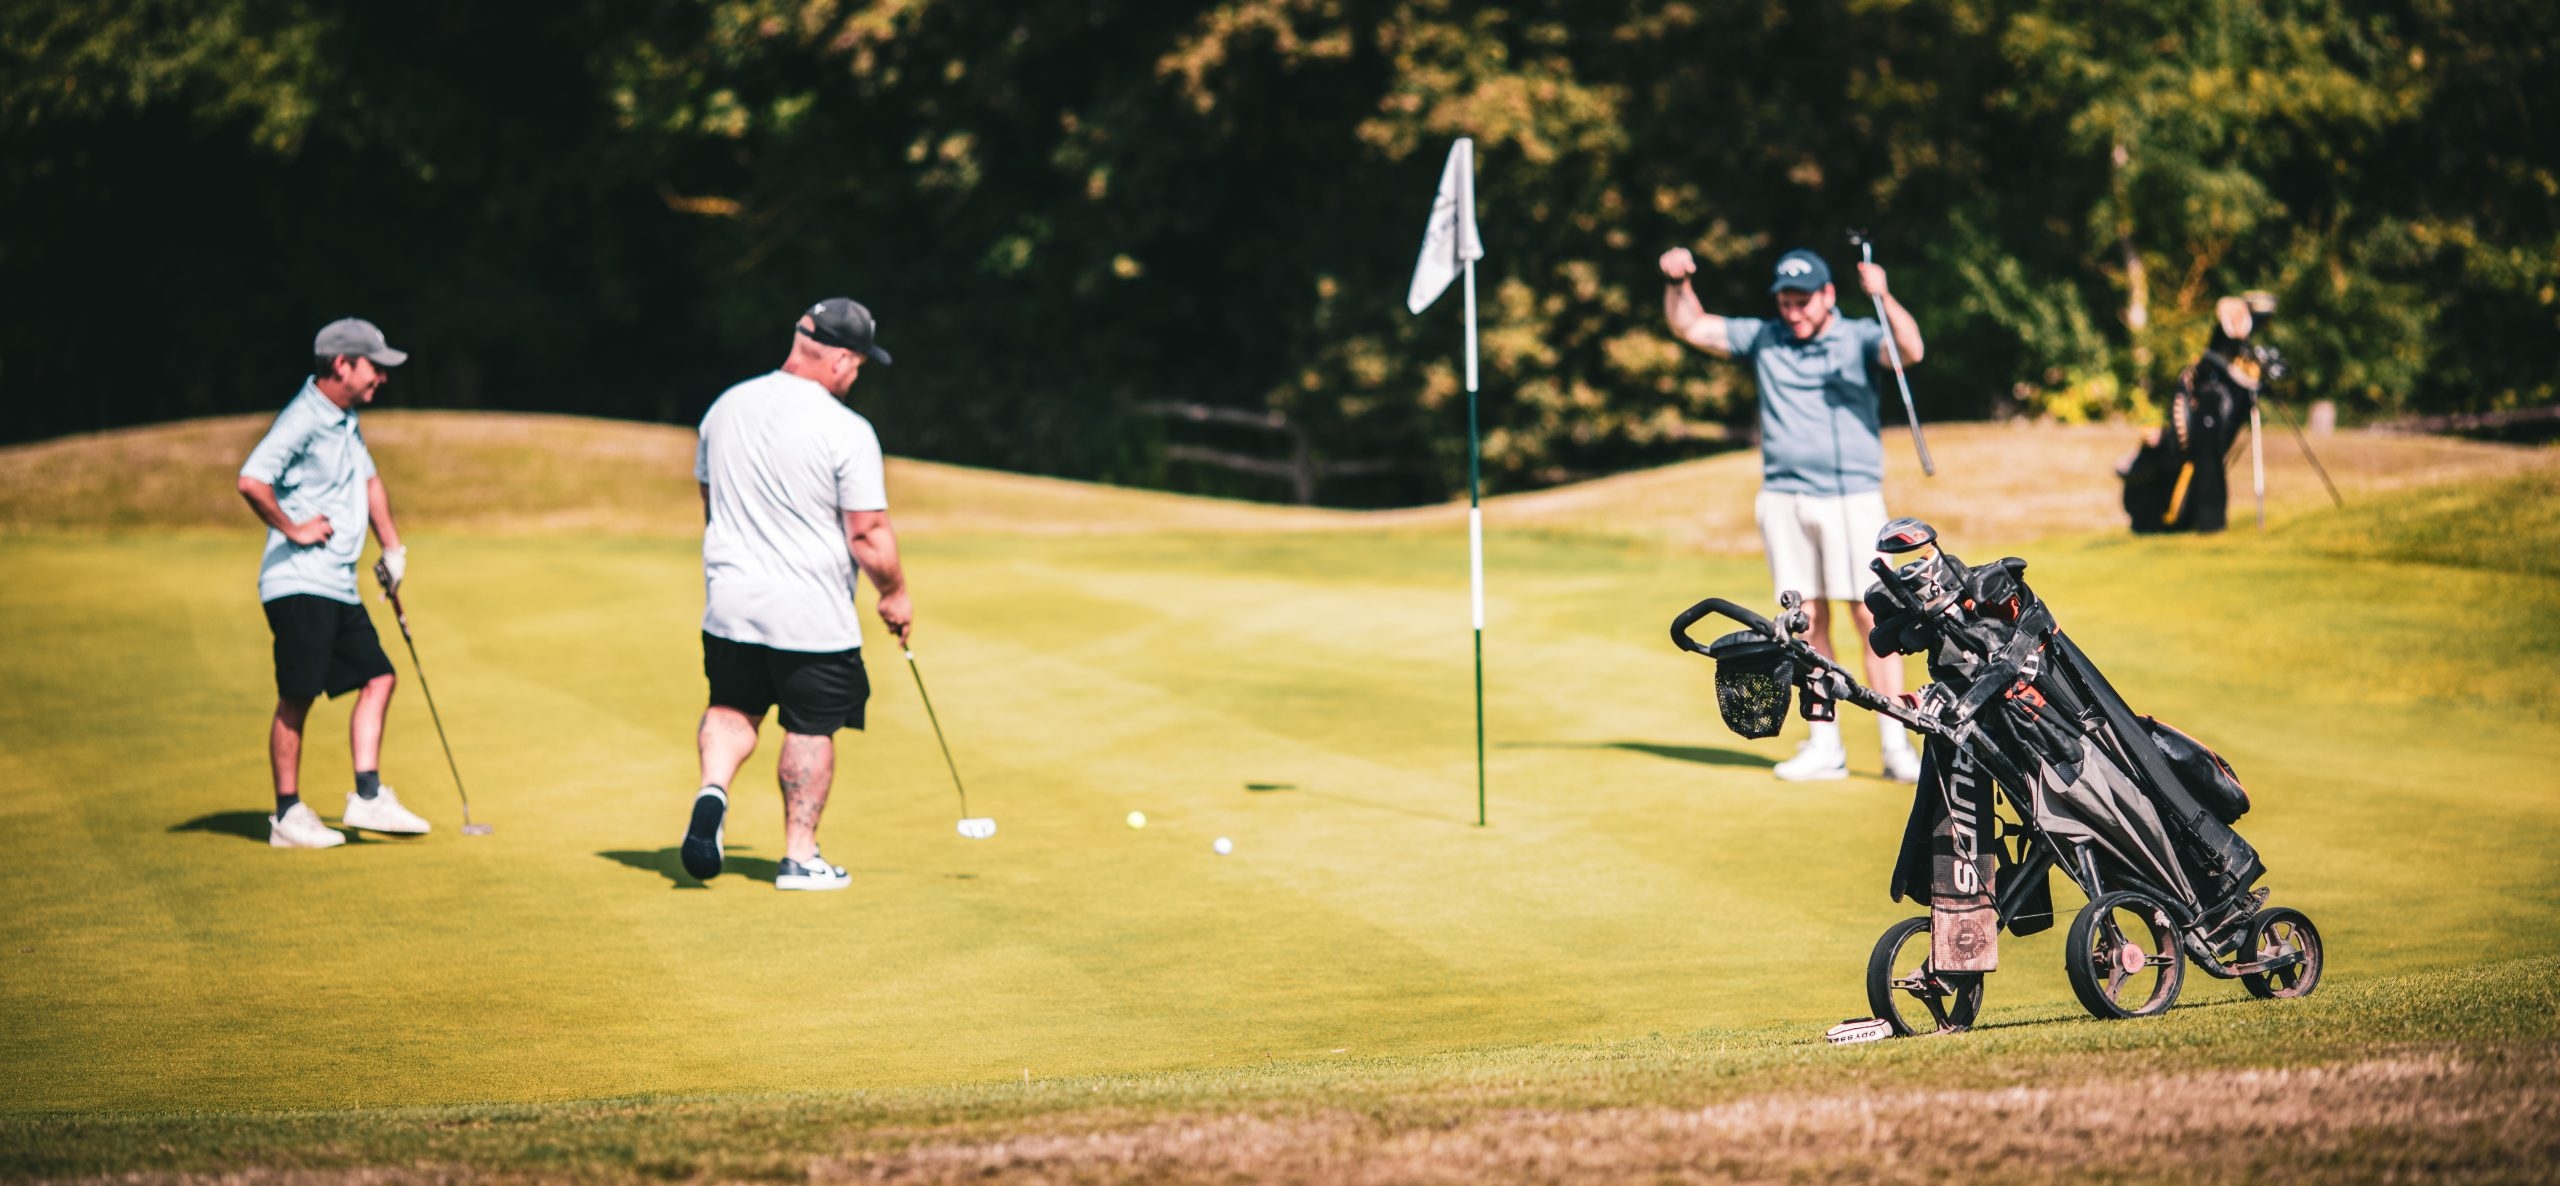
x,y
1802,271
355,335
843,322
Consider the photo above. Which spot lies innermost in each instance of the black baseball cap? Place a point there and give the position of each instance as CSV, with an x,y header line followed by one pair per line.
x,y
1802,271
843,322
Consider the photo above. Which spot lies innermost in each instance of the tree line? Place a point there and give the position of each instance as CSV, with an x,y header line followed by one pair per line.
x,y
1167,244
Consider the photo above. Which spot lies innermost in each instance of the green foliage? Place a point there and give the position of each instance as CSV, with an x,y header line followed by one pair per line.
x,y
1066,212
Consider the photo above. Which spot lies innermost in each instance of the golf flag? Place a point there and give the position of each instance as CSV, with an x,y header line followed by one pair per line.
x,y
1449,241
1450,249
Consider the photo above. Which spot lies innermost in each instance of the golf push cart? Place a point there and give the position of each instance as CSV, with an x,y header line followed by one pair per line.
x,y
2135,813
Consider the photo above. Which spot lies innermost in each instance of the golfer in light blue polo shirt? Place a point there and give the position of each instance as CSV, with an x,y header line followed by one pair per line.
x,y
312,482
1821,498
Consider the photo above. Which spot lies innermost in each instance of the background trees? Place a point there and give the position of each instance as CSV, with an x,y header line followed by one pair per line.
x,y
1069,214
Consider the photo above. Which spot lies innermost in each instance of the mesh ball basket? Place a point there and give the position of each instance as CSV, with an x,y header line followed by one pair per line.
x,y
1753,678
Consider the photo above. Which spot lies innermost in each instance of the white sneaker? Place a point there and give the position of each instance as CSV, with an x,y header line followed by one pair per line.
x,y
301,828
1902,763
816,874
382,813
1814,763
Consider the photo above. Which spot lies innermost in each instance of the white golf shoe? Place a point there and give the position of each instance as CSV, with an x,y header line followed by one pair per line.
x,y
383,813
1902,763
1814,762
301,828
813,874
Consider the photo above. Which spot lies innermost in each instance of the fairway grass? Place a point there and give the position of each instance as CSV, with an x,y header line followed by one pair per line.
x,y
1623,976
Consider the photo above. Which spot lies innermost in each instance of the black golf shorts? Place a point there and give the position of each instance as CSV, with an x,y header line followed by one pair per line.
x,y
323,645
819,692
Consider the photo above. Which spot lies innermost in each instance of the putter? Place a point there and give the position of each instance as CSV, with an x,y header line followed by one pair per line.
x,y
1867,254
977,827
382,573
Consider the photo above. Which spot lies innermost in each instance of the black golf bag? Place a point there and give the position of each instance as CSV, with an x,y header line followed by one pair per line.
x,y
2179,479
2136,813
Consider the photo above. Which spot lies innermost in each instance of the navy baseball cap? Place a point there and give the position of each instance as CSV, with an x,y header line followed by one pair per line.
x,y
843,322
1802,271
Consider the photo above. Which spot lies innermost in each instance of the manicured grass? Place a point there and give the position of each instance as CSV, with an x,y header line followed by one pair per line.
x,y
1650,921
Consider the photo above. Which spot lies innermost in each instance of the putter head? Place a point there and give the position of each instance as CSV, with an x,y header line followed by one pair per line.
x,y
475,829
978,829
1859,1029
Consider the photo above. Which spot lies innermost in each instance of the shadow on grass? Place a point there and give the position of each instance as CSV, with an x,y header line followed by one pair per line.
x,y
251,825
1704,755
247,825
668,863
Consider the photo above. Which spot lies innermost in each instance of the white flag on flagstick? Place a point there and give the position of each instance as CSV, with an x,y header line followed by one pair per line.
x,y
1450,240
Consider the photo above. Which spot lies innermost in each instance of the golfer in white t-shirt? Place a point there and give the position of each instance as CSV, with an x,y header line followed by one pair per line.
x,y
793,500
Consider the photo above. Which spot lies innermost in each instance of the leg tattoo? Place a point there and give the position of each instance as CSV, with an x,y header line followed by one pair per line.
x,y
807,770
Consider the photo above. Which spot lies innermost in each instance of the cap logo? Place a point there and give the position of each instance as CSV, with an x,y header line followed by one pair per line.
x,y
1794,267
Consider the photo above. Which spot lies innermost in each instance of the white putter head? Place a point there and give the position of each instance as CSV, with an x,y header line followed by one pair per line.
x,y
978,829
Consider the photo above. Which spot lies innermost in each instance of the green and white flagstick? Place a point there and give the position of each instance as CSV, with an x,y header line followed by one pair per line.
x,y
1450,249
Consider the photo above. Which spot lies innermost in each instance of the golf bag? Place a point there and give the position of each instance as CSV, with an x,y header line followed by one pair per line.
x,y
2136,813
2179,479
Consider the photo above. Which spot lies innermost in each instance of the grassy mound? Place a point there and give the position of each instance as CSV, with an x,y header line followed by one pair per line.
x,y
507,474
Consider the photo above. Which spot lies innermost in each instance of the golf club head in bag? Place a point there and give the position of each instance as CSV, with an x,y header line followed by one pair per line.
x,y
1755,674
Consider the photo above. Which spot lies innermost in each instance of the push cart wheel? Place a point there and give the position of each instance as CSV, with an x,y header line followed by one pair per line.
x,y
2283,933
1902,990
2123,957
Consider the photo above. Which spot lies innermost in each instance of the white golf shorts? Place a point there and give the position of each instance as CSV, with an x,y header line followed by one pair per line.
x,y
1819,544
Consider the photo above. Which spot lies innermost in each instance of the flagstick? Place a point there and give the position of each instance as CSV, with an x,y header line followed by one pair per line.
x,y
1475,536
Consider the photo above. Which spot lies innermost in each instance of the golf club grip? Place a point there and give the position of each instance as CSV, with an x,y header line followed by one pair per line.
x,y
1713,605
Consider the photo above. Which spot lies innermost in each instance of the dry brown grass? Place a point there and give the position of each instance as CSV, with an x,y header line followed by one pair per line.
x,y
2000,483
492,473
506,473
2418,1114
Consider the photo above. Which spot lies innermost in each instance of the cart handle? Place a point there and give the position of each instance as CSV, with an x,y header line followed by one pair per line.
x,y
1714,605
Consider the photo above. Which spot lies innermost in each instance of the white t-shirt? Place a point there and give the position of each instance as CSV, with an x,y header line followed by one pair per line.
x,y
785,460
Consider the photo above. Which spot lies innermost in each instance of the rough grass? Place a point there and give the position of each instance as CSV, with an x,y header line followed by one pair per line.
x,y
2432,1077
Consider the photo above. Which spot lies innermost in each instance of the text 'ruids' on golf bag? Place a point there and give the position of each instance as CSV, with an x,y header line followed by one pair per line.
x,y
1964,923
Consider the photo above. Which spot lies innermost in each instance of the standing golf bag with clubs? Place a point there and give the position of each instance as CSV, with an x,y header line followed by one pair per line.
x,y
2025,742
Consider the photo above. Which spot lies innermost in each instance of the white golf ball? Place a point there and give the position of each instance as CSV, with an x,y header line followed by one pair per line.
x,y
1137,819
1224,846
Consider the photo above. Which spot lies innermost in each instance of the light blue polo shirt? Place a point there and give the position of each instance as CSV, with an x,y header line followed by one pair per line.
x,y
317,462
1818,427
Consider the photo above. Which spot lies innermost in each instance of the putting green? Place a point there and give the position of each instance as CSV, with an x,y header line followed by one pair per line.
x,y
1303,694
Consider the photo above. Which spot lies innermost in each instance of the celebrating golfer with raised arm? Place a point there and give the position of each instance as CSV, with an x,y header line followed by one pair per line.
x,y
311,481
1821,498
793,500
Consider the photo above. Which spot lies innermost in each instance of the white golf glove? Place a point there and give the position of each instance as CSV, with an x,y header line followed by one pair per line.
x,y
394,568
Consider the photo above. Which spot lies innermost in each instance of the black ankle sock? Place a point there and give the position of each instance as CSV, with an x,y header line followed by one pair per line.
x,y
285,803
368,783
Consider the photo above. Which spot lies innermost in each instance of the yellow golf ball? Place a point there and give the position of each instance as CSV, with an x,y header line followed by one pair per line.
x,y
1137,819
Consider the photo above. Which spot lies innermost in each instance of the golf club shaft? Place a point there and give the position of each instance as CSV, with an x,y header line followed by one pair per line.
x,y
2257,467
1910,410
401,615
929,715
2305,442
